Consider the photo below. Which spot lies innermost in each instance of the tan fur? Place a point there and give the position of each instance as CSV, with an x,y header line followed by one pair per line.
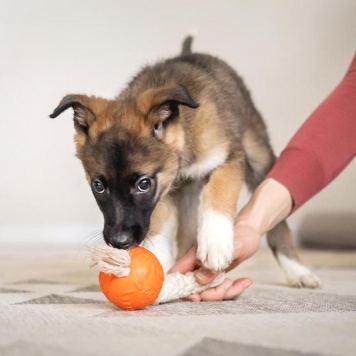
x,y
213,134
145,100
175,137
222,190
164,211
79,140
252,147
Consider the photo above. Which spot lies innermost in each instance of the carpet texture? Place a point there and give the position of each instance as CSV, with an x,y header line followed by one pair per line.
x,y
50,304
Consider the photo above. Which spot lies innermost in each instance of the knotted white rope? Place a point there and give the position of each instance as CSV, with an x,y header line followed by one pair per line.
x,y
175,285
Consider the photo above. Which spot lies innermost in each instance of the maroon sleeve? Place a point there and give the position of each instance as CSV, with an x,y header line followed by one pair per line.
x,y
323,146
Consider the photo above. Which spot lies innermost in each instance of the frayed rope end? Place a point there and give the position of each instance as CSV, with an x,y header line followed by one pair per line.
x,y
110,260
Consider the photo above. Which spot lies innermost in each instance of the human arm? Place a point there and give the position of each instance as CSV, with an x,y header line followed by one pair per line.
x,y
323,146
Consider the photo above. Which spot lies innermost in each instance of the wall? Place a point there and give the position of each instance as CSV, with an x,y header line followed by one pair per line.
x,y
291,54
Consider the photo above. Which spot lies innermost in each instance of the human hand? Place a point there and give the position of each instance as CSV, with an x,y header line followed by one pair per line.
x,y
247,240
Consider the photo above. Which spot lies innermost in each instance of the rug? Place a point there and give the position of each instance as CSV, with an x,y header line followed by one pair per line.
x,y
50,304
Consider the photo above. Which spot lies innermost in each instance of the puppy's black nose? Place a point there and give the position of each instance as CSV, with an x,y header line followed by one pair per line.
x,y
123,241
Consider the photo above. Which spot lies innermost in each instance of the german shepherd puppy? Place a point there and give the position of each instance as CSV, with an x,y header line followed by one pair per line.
x,y
166,160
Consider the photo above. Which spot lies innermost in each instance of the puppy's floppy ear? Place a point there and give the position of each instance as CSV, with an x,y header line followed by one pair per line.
x,y
165,101
84,116
178,94
168,102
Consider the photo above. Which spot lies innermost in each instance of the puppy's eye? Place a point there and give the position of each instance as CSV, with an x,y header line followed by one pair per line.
x,y
144,185
98,186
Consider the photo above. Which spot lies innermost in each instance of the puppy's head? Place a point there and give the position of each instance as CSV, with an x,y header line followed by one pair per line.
x,y
130,150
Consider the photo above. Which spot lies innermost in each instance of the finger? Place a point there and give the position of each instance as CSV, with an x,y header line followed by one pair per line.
x,y
205,276
237,288
217,293
194,298
214,294
187,263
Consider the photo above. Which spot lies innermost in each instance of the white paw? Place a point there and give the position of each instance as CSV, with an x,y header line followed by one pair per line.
x,y
298,276
215,241
305,281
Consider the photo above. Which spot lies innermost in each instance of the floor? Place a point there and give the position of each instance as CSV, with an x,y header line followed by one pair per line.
x,y
50,304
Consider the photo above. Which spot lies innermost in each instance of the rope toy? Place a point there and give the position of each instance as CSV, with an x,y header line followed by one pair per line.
x,y
135,279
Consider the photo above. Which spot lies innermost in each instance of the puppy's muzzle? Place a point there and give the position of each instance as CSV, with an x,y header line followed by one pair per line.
x,y
123,239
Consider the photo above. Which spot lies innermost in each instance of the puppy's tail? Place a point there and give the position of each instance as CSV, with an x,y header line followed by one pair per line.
x,y
187,45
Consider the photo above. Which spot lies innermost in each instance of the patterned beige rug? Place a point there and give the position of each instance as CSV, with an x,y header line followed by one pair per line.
x,y
50,304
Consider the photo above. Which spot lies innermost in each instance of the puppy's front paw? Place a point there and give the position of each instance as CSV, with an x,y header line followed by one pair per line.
x,y
215,241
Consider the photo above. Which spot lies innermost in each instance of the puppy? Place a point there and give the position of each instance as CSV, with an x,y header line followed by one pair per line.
x,y
166,160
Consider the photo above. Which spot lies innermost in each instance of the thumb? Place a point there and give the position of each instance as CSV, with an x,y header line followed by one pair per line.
x,y
205,276
187,263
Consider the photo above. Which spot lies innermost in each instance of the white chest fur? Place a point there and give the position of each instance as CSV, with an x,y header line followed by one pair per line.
x,y
200,169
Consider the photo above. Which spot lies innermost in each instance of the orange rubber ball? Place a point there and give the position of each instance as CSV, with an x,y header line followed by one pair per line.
x,y
141,287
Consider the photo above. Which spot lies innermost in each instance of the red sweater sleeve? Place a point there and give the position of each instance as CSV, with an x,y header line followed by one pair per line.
x,y
323,146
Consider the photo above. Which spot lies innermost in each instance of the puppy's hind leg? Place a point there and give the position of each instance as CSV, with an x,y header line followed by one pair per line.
x,y
280,241
260,159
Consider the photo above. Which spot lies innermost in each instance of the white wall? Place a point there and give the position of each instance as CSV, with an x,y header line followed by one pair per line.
x,y
291,54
